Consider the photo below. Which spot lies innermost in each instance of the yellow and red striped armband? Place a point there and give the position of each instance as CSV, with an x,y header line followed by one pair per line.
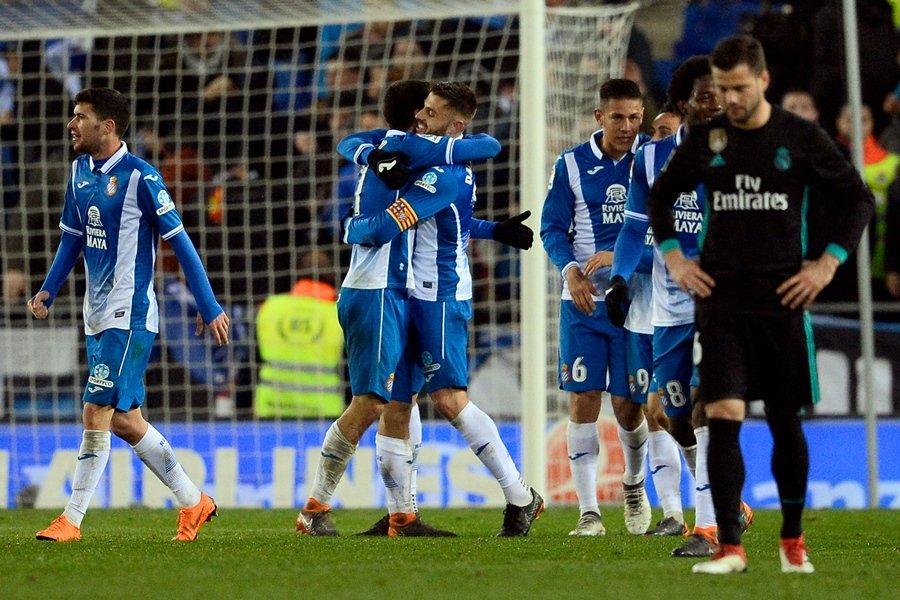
x,y
403,214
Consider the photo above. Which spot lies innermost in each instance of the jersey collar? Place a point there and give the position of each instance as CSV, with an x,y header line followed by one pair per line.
x,y
111,161
598,152
595,147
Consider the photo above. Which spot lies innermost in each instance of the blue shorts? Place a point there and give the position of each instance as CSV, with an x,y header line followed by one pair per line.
x,y
375,324
639,359
408,378
590,348
439,336
117,360
673,367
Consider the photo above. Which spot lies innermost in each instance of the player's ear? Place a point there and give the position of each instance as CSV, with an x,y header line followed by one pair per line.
x,y
765,78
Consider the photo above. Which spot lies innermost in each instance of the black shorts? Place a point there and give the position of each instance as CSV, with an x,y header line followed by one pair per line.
x,y
756,357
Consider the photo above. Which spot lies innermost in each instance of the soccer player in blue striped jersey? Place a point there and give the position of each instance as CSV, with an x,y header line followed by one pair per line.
x,y
372,305
582,216
691,91
439,201
662,451
116,209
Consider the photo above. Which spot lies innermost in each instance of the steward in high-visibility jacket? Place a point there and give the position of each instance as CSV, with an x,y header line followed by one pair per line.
x,y
300,343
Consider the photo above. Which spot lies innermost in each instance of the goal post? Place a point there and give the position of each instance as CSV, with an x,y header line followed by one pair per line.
x,y
239,104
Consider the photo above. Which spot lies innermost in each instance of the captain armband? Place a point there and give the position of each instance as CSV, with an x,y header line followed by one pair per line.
x,y
403,214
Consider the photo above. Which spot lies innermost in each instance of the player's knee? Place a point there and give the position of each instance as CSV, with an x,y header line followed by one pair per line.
x,y
449,402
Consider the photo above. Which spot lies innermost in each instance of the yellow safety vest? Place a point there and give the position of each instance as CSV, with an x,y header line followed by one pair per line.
x,y
879,176
300,342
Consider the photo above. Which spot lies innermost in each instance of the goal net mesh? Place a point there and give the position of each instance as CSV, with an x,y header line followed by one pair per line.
x,y
240,105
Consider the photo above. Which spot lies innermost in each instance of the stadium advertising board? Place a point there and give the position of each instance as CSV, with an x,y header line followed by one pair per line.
x,y
270,465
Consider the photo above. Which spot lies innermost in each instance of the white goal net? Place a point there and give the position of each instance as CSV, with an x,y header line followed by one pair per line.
x,y
240,104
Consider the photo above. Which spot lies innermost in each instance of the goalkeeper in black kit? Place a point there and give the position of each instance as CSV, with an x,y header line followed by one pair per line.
x,y
754,281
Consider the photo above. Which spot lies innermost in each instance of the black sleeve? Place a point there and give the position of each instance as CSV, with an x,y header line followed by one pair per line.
x,y
833,173
682,172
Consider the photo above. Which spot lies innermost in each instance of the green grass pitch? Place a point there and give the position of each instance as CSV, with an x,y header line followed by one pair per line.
x,y
256,554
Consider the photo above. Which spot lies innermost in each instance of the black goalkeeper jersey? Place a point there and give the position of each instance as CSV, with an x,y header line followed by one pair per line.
x,y
756,193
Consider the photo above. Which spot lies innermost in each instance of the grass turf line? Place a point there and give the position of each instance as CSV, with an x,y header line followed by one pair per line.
x,y
248,553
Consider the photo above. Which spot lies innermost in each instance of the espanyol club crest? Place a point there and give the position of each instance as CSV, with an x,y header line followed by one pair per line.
x,y
112,186
718,140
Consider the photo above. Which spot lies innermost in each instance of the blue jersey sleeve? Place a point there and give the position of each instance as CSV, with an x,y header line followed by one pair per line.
x,y
556,217
70,221
357,146
433,190
631,251
66,255
196,276
426,150
481,230
155,201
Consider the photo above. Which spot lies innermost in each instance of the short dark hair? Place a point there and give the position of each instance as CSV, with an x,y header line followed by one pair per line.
x,y
668,107
681,86
459,97
615,89
108,104
402,100
740,49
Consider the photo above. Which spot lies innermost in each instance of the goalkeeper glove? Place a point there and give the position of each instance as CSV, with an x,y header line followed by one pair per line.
x,y
390,167
513,232
617,301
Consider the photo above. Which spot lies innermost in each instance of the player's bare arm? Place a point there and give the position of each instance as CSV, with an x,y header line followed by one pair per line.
x,y
36,305
802,288
688,274
582,290
601,259
218,327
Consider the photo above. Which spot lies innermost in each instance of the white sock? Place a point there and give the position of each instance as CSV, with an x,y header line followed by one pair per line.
x,y
665,467
415,442
706,514
395,458
634,447
690,457
155,452
480,431
92,459
336,453
584,454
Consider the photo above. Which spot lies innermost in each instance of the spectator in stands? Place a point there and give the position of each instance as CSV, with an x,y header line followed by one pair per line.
x,y
300,344
207,88
879,44
800,102
879,172
15,288
9,175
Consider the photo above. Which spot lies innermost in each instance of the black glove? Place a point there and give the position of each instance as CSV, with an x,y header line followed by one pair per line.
x,y
617,301
391,167
513,232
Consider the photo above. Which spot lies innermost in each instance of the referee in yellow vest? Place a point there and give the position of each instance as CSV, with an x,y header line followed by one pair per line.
x,y
300,342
